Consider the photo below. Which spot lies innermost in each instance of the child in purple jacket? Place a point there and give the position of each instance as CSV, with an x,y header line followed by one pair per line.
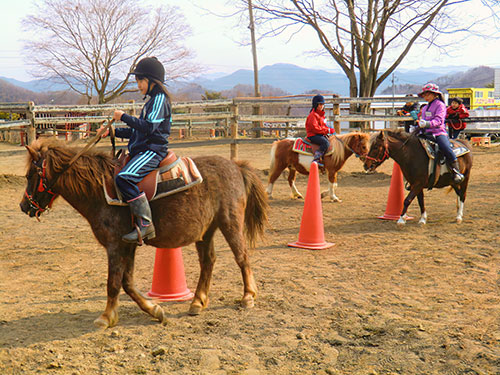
x,y
432,124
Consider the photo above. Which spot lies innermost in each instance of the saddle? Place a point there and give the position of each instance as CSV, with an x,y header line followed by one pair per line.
x,y
437,161
174,174
305,147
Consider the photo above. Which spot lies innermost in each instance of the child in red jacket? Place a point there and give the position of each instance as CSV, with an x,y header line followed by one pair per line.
x,y
316,128
455,114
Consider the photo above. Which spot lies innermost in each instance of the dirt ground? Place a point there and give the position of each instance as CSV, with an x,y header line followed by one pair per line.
x,y
383,300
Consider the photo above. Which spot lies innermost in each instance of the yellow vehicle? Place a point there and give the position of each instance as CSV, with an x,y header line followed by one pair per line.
x,y
475,98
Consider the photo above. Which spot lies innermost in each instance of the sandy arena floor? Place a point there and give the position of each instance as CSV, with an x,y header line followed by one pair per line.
x,y
383,300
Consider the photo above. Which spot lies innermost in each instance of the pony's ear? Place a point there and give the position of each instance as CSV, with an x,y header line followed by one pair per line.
x,y
381,135
35,155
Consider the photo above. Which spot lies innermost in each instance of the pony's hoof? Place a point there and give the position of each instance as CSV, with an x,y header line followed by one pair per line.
x,y
159,314
195,310
422,222
247,302
459,220
101,323
401,222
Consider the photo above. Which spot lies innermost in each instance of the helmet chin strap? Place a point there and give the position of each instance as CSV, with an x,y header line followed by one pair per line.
x,y
149,88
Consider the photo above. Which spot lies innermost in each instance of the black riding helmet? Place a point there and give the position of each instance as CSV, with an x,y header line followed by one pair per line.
x,y
318,99
151,68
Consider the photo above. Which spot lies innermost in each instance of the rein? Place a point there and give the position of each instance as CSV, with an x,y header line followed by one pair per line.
x,y
386,155
349,147
45,187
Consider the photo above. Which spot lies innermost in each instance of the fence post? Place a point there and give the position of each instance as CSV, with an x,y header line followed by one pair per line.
x,y
234,132
190,125
257,110
287,124
30,116
336,112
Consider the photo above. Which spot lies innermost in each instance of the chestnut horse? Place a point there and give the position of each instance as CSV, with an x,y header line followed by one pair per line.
x,y
282,157
406,150
231,198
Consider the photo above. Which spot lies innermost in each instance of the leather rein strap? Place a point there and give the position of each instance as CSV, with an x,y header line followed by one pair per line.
x,y
87,147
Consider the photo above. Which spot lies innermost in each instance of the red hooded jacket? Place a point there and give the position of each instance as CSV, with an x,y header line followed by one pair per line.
x,y
316,124
454,117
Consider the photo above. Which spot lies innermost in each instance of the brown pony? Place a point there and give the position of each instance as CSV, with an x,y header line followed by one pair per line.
x,y
407,151
282,157
231,198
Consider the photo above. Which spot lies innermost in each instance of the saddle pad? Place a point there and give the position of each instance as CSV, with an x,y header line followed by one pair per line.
x,y
163,181
304,147
458,148
437,168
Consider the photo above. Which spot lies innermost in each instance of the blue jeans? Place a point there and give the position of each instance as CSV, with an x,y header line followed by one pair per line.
x,y
444,145
320,140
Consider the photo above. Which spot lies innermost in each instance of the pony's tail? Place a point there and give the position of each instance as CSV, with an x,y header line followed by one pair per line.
x,y
257,206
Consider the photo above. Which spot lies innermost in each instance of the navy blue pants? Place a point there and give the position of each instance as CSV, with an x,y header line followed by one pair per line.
x,y
134,171
320,140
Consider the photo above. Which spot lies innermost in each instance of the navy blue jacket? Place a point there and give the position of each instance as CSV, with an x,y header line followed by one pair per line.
x,y
151,130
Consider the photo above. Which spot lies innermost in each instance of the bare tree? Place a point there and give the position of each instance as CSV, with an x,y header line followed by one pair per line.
x,y
368,39
91,45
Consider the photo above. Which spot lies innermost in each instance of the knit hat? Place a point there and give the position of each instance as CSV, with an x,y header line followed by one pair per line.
x,y
318,99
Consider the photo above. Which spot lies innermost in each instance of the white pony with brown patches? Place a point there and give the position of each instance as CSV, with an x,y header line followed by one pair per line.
x,y
282,157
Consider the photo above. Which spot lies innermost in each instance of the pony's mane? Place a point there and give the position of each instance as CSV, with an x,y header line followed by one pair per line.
x,y
85,176
398,134
342,140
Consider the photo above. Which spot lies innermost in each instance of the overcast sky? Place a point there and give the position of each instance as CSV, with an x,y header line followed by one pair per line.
x,y
216,42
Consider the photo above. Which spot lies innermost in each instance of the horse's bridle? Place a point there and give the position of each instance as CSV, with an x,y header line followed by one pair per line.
x,y
43,184
43,187
382,156
350,148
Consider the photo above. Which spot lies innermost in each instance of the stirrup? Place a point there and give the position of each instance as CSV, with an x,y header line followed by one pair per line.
x,y
458,178
320,164
136,236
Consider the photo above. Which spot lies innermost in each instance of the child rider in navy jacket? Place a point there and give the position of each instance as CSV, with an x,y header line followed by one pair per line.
x,y
148,143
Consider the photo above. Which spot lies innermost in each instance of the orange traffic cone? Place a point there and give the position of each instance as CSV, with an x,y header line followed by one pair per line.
x,y
395,201
169,280
311,234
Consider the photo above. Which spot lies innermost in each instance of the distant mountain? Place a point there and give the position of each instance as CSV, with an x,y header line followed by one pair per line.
x,y
12,93
277,78
37,85
297,80
287,77
475,77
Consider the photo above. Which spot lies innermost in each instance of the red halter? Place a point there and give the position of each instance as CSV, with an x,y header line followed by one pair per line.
x,y
42,188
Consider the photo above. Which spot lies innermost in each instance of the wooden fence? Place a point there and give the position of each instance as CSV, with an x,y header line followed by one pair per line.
x,y
232,118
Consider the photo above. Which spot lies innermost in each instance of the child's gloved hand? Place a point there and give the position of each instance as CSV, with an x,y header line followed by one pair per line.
x,y
423,124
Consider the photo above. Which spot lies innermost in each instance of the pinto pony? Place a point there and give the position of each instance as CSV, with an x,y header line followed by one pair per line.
x,y
282,157
408,152
231,198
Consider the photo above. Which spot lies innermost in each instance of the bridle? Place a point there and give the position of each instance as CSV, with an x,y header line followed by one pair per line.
x,y
43,184
43,187
382,156
350,148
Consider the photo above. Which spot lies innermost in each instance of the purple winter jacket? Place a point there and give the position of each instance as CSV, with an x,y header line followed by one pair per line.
x,y
435,112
